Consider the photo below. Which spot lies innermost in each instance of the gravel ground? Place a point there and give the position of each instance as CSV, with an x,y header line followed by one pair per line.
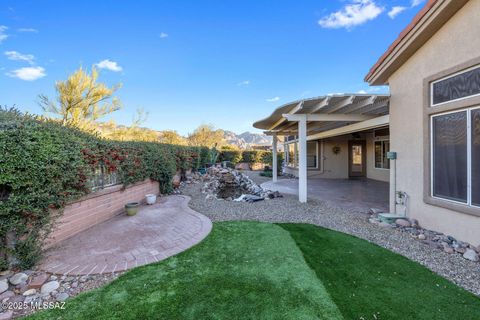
x,y
287,209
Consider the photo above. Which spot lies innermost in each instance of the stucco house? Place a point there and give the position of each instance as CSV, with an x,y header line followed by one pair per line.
x,y
423,138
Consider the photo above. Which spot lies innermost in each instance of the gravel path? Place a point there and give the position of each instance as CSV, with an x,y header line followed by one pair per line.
x,y
287,209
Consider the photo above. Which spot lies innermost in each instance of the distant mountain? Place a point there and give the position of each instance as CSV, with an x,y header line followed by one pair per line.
x,y
247,139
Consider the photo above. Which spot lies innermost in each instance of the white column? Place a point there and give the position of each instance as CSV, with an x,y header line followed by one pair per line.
x,y
302,155
274,158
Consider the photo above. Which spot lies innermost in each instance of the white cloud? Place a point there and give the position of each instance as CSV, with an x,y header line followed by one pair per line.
x,y
163,35
395,11
28,73
353,14
244,83
109,65
274,99
17,56
3,36
362,92
28,30
417,2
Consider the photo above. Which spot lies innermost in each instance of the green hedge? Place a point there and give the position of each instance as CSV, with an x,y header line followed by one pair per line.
x,y
44,166
234,156
249,156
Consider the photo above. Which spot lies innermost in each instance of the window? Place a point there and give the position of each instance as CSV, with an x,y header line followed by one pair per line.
x,y
458,86
381,149
455,140
291,154
312,154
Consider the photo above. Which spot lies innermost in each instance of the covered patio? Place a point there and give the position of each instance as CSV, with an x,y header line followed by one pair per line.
x,y
344,136
354,195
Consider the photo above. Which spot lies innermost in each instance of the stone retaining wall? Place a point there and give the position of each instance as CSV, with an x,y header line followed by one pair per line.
x,y
98,207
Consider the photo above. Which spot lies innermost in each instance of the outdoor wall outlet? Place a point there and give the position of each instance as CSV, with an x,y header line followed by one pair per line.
x,y
391,155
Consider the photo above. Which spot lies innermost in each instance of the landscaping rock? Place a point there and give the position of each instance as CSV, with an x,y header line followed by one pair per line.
x,y
29,292
6,315
3,286
38,280
6,295
49,287
448,249
403,223
471,255
62,296
385,225
414,223
16,298
18,278
421,236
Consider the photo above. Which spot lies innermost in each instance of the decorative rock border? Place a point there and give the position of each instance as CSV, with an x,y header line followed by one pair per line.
x,y
431,238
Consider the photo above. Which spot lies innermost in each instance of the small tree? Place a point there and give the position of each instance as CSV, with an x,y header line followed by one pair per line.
x,y
171,137
206,136
81,100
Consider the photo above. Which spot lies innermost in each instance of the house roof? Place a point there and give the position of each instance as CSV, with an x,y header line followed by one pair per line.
x,y
424,25
342,104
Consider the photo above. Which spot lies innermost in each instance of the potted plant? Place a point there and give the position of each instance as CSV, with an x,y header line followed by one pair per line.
x,y
132,208
151,198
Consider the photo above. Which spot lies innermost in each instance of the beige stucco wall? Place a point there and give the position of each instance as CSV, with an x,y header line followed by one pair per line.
x,y
457,42
335,166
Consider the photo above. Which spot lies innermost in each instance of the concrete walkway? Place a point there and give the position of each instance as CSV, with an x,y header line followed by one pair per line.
x,y
356,195
121,243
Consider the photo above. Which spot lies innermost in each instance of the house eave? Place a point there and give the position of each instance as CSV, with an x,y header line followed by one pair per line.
x,y
423,27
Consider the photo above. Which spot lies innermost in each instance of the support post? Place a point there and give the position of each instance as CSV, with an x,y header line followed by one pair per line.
x,y
302,154
274,158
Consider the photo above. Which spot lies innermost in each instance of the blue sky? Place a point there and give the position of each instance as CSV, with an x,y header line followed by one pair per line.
x,y
226,63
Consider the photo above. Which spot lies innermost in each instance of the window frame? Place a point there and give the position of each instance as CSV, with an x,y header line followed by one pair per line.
x,y
382,140
448,77
468,111
295,161
429,110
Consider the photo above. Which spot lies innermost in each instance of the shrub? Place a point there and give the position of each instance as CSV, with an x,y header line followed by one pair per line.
x,y
233,156
267,159
44,166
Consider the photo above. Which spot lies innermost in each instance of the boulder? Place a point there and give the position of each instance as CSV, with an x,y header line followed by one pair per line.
x,y
6,315
242,166
18,278
49,287
3,286
38,280
448,249
62,296
471,255
421,236
403,223
6,295
30,292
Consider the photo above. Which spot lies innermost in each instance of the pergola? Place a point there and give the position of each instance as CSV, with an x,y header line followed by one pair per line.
x,y
323,117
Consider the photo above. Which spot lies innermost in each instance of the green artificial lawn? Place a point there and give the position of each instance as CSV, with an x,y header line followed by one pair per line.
x,y
252,270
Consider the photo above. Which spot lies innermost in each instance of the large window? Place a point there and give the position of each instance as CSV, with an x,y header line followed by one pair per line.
x,y
291,154
455,151
381,149
455,87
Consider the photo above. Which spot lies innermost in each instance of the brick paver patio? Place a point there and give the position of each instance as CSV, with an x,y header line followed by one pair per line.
x,y
121,243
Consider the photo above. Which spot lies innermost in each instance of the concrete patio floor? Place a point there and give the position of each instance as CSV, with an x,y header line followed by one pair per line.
x,y
121,243
356,195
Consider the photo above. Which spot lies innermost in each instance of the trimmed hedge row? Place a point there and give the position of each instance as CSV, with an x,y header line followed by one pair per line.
x,y
44,166
251,156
